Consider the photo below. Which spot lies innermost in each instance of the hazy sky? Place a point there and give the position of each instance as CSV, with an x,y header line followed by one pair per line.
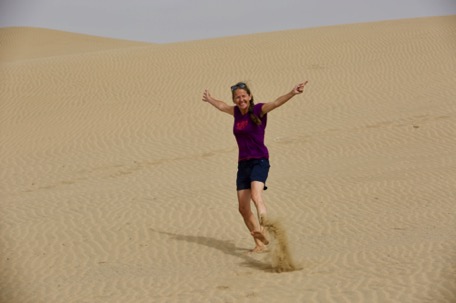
x,y
163,21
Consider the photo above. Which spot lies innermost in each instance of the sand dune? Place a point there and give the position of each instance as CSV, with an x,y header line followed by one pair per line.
x,y
117,181
25,43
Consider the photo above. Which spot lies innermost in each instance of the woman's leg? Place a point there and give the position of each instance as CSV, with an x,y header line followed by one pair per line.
x,y
244,197
257,197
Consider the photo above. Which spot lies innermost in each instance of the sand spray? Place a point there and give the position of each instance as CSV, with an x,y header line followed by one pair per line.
x,y
280,255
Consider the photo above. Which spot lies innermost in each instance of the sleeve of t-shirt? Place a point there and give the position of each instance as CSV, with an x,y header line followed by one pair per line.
x,y
257,110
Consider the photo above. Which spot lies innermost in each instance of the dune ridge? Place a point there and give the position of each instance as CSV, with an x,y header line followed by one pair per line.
x,y
27,43
117,181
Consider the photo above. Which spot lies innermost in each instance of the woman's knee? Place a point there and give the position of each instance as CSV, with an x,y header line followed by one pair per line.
x,y
257,198
256,192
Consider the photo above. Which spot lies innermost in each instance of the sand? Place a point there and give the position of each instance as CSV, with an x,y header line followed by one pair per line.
x,y
117,183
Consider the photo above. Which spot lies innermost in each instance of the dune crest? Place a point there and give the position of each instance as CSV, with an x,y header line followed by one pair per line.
x,y
22,43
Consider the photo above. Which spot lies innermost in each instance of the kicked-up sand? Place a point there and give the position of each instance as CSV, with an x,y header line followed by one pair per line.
x,y
117,183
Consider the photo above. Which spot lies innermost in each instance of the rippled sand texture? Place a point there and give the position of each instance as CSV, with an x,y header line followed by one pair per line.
x,y
117,181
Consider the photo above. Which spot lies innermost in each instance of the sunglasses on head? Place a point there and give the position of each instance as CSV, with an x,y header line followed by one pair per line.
x,y
238,85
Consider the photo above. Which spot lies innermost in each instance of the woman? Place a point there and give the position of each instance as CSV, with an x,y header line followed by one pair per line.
x,y
250,121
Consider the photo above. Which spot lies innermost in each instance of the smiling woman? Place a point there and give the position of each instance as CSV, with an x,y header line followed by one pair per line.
x,y
249,127
240,94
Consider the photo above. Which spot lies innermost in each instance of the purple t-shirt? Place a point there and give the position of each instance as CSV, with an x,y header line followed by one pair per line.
x,y
249,136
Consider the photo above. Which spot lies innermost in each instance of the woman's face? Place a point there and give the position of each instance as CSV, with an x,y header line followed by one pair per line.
x,y
242,99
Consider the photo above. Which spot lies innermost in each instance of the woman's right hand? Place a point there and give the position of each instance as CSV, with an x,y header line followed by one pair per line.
x,y
206,96
220,105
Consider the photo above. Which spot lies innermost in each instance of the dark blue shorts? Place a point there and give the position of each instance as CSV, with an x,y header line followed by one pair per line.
x,y
252,170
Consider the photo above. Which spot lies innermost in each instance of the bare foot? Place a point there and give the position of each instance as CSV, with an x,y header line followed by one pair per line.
x,y
260,236
258,249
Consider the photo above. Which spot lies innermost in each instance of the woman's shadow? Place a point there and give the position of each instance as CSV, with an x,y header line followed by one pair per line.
x,y
224,246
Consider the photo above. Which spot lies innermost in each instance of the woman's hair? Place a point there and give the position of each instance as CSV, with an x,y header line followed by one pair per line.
x,y
242,85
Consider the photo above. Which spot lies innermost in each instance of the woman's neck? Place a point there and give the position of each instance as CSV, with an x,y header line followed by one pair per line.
x,y
244,111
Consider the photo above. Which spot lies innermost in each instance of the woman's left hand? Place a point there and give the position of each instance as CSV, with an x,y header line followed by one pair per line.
x,y
298,89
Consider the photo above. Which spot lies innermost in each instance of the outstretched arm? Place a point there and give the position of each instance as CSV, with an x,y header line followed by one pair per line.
x,y
298,89
220,105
